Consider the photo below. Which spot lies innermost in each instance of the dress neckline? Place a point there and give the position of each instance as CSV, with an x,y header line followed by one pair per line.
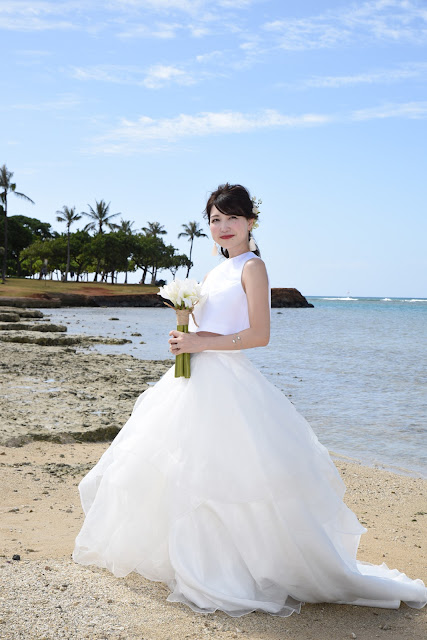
x,y
240,254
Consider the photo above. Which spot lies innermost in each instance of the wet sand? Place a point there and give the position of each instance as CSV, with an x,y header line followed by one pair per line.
x,y
59,394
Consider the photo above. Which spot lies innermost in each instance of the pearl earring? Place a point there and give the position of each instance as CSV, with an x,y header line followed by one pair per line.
x,y
214,249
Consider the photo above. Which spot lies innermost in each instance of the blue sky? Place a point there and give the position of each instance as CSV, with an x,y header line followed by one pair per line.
x,y
318,107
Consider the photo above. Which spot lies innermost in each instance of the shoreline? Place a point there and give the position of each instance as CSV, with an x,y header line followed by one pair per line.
x,y
69,372
59,392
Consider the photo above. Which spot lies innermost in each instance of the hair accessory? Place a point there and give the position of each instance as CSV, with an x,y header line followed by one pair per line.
x,y
214,249
255,211
252,244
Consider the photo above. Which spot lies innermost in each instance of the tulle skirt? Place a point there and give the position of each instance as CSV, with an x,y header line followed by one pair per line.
x,y
219,488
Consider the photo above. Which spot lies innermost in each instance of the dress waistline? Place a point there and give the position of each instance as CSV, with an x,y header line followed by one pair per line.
x,y
230,351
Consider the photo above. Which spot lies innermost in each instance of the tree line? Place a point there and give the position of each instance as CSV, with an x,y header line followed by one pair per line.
x,y
102,247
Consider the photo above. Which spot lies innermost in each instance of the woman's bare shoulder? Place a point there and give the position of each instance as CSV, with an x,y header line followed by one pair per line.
x,y
254,266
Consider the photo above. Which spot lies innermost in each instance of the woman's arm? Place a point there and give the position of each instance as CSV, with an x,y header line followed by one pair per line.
x,y
255,284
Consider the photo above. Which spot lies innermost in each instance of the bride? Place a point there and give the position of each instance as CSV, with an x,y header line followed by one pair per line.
x,y
216,485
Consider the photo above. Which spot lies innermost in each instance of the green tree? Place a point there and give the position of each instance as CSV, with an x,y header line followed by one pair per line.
x,y
191,231
81,252
68,215
112,251
177,261
100,217
154,229
146,254
18,238
38,228
125,226
52,252
6,187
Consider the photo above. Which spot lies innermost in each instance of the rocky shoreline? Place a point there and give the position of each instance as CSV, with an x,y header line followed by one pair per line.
x,y
61,407
54,388
280,298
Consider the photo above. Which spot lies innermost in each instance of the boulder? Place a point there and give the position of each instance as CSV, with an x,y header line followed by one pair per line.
x,y
288,297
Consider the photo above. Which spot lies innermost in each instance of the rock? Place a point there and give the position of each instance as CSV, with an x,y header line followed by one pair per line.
x,y
114,318
6,316
26,326
22,313
55,340
290,298
136,334
39,300
16,556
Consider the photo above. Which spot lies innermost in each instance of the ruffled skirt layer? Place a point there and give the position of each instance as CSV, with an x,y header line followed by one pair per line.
x,y
219,488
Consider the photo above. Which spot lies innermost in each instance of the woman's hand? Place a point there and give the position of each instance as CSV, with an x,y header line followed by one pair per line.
x,y
181,342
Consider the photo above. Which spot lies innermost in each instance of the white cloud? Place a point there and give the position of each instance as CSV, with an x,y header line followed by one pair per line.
x,y
212,56
155,77
64,101
131,136
162,30
385,20
148,134
160,75
410,110
24,15
380,76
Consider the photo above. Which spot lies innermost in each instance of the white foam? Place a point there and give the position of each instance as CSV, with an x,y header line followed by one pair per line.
x,y
386,299
416,300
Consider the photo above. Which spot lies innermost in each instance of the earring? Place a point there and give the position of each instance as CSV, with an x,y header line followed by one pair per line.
x,y
214,249
252,244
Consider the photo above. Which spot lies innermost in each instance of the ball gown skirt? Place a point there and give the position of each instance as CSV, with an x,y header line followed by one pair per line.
x,y
219,488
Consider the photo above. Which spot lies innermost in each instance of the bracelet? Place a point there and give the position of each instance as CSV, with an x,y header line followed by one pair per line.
x,y
236,339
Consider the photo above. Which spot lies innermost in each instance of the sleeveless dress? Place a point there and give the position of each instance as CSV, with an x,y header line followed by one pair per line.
x,y
219,488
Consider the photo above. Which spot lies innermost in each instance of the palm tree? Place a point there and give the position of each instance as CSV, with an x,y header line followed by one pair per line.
x,y
191,231
6,186
68,215
154,229
125,226
99,217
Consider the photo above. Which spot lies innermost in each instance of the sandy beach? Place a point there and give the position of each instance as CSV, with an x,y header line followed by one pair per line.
x,y
55,403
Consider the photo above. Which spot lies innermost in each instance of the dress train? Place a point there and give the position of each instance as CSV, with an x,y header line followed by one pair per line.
x,y
219,488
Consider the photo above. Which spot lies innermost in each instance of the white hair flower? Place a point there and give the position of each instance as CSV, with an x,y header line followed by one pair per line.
x,y
255,211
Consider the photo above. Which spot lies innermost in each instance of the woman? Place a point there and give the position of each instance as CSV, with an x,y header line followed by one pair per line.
x,y
216,485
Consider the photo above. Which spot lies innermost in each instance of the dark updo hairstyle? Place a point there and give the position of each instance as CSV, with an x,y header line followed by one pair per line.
x,y
232,199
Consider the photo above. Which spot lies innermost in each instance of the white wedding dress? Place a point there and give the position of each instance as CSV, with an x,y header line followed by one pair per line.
x,y
219,488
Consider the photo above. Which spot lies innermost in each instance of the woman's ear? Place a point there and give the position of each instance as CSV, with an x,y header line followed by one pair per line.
x,y
250,224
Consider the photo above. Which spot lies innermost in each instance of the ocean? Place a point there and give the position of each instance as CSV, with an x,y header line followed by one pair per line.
x,y
356,368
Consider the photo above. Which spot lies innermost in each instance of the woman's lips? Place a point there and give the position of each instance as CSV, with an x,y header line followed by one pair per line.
x,y
225,237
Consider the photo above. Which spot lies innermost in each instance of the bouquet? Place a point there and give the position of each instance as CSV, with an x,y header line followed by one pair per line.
x,y
183,294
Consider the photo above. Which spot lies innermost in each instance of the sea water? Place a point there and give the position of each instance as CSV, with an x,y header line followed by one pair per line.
x,y
356,368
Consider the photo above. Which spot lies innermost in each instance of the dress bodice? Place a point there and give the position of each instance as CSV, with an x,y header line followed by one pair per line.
x,y
225,307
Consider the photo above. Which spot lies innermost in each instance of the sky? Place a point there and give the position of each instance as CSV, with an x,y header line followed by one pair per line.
x,y
318,107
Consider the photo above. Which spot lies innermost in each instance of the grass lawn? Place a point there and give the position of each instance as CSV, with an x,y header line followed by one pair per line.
x,y
26,288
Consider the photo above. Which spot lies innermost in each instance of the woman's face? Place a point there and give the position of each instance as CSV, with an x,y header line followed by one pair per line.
x,y
230,232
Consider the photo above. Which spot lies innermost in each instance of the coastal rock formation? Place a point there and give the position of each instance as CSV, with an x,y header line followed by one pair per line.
x,y
61,394
288,297
14,328
27,326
